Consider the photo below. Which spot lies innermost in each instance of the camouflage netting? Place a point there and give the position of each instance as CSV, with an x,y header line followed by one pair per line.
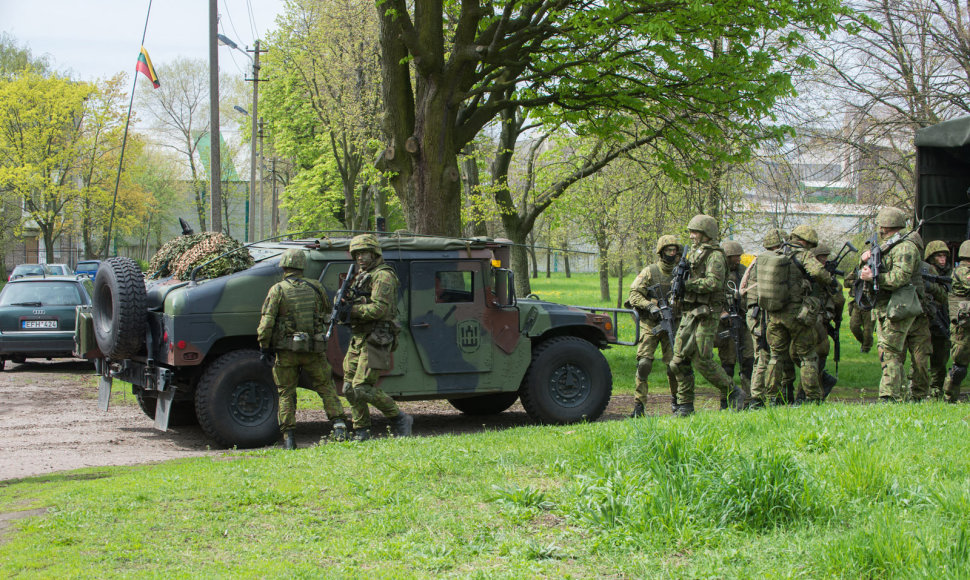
x,y
178,257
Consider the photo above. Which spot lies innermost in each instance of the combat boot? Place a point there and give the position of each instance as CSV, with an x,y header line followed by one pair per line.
x,y
361,434
828,383
339,430
736,398
289,440
401,425
637,410
756,404
684,410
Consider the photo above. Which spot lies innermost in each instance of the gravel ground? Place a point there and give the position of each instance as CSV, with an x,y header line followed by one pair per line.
x,y
49,422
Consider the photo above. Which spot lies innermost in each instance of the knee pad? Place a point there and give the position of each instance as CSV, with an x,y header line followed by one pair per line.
x,y
644,366
957,374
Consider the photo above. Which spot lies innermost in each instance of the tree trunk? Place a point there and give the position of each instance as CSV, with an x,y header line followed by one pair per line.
x,y
471,182
604,266
548,263
619,286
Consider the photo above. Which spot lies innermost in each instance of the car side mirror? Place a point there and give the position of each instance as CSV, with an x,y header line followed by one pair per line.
x,y
504,287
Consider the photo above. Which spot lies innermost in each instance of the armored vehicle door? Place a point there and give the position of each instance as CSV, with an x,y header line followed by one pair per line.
x,y
447,309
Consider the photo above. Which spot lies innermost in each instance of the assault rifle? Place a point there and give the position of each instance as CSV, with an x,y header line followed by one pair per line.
x,y
945,281
341,306
939,321
680,276
763,322
734,318
832,264
864,298
666,315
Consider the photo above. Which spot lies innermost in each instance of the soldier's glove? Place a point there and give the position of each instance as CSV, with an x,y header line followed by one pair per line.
x,y
343,312
654,312
267,356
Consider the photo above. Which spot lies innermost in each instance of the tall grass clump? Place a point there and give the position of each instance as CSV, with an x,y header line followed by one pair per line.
x,y
680,482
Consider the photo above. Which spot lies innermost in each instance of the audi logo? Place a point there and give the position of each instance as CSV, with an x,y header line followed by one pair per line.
x,y
39,311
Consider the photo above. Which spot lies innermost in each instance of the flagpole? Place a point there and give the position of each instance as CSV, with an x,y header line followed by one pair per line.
x,y
124,140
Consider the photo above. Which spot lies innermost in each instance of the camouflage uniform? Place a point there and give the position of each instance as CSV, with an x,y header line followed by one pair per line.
x,y
939,316
652,281
373,322
861,322
959,304
292,325
700,305
724,342
899,269
757,320
792,329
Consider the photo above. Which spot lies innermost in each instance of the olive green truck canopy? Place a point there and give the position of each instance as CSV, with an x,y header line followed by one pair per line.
x,y
943,180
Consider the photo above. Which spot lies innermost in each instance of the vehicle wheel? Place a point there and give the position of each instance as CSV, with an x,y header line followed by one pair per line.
x,y
236,401
119,308
568,380
181,415
485,404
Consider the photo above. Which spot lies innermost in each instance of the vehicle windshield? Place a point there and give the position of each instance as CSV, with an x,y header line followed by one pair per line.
x,y
41,294
24,269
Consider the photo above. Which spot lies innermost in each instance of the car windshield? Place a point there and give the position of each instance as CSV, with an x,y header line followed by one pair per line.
x,y
41,294
24,269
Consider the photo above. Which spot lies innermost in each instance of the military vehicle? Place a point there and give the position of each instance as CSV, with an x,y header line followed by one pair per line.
x,y
189,348
943,182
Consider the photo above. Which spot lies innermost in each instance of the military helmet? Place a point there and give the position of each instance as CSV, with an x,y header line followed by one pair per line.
x,y
365,242
806,233
964,252
774,238
293,258
934,247
731,248
822,249
891,217
704,224
667,240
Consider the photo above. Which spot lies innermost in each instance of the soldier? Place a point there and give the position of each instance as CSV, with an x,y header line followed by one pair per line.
x,y
861,322
896,302
372,314
959,305
651,286
919,341
725,343
758,322
700,303
938,264
830,318
292,327
787,289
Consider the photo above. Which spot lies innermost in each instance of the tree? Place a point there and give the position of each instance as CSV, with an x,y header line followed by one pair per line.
x,y
41,123
451,68
322,102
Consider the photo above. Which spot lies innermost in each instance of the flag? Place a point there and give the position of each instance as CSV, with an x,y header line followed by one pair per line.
x,y
145,67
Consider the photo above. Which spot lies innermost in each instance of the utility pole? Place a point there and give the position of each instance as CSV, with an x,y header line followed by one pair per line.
x,y
252,158
262,166
215,163
276,206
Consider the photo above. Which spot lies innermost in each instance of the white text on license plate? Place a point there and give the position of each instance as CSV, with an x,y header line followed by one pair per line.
x,y
30,324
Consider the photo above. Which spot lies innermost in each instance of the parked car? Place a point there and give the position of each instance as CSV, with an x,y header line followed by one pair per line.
x,y
59,270
22,270
87,268
37,316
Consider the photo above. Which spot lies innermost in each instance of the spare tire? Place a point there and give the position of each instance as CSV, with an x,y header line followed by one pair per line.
x,y
119,313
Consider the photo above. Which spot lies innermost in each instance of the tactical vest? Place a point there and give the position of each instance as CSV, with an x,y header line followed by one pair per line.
x,y
361,291
300,322
698,269
780,280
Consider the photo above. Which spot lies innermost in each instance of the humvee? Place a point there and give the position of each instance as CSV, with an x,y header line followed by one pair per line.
x,y
189,348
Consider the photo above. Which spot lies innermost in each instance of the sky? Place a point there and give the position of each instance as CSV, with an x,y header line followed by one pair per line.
x,y
91,39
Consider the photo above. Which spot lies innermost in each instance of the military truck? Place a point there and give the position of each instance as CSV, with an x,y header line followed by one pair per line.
x,y
189,349
943,182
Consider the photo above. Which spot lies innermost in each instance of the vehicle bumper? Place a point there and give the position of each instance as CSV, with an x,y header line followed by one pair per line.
x,y
53,344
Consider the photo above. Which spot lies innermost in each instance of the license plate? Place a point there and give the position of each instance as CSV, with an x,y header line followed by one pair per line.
x,y
35,324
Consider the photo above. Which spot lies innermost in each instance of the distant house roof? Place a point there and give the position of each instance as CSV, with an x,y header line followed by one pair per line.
x,y
953,133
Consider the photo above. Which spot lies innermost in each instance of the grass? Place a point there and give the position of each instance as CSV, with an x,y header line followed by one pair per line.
x,y
720,494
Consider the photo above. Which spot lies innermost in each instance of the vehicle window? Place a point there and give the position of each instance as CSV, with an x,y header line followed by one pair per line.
x,y
48,294
454,286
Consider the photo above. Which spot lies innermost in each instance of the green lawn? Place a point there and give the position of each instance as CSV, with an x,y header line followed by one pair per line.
x,y
845,491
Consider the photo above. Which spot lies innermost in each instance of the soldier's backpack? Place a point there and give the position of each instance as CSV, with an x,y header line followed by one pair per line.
x,y
779,281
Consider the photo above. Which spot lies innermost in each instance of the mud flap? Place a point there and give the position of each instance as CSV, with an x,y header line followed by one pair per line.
x,y
104,392
162,409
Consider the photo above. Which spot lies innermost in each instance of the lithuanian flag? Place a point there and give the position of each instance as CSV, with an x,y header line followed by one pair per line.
x,y
145,67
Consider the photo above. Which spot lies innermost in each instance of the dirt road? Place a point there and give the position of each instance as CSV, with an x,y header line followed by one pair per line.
x,y
49,422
